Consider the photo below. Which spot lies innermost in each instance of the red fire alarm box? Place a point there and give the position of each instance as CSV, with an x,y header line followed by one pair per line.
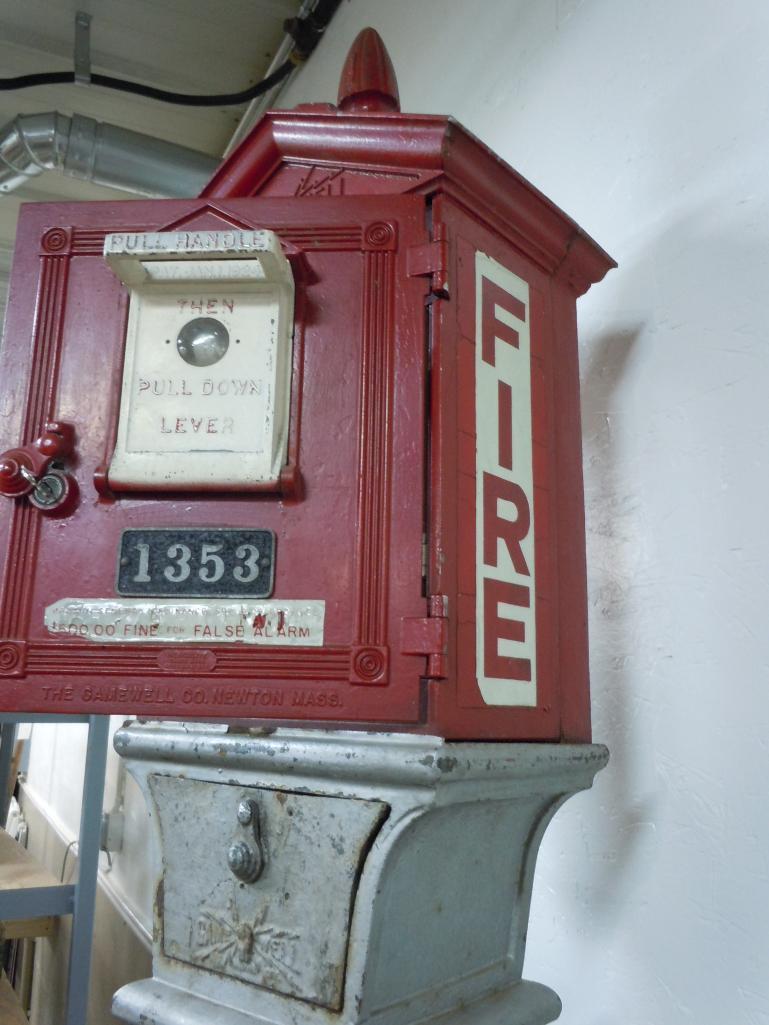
x,y
305,449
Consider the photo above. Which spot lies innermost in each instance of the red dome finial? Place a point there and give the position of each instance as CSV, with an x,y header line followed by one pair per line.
x,y
368,80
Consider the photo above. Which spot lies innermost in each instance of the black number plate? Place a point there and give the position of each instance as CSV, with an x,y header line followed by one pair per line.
x,y
197,563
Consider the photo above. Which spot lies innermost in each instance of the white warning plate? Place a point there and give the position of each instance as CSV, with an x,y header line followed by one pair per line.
x,y
138,620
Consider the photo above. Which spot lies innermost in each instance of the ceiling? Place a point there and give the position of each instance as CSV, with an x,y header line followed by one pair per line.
x,y
194,46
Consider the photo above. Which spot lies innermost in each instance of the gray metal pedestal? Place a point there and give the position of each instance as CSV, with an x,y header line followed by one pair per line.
x,y
343,877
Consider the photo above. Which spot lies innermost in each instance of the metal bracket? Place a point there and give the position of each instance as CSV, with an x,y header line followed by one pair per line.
x,y
82,48
246,857
112,831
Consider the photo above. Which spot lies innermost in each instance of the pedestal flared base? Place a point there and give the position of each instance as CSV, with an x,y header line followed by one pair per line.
x,y
341,877
157,1003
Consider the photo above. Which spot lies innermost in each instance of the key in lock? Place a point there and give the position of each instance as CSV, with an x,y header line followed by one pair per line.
x,y
51,491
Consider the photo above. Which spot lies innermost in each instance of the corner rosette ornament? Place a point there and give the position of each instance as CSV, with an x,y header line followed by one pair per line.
x,y
55,240
369,666
379,235
11,658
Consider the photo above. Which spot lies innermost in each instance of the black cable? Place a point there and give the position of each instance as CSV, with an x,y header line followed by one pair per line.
x,y
42,78
220,100
70,845
305,32
123,85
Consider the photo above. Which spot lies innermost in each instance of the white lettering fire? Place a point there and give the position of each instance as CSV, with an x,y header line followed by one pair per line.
x,y
505,605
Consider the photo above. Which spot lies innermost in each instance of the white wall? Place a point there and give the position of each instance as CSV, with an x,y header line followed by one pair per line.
x,y
645,120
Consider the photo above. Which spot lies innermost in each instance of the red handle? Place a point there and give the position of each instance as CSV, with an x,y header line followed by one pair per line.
x,y
21,468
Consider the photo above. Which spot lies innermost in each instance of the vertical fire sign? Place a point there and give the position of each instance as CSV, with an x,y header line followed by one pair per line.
x,y
505,591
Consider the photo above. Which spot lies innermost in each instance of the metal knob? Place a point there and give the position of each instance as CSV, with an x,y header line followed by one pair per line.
x,y
247,812
245,862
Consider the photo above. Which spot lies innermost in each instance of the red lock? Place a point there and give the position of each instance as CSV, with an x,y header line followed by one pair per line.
x,y
30,470
329,438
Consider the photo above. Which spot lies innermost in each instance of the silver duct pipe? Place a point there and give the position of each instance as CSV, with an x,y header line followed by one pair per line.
x,y
98,152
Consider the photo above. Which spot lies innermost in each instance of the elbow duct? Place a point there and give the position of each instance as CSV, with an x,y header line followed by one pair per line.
x,y
102,153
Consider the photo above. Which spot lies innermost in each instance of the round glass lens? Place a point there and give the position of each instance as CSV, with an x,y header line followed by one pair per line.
x,y
203,341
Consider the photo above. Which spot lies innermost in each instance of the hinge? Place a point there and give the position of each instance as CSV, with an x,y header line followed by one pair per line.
x,y
429,636
431,259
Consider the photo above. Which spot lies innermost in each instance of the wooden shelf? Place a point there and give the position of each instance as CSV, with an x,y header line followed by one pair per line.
x,y
19,870
27,929
10,1008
